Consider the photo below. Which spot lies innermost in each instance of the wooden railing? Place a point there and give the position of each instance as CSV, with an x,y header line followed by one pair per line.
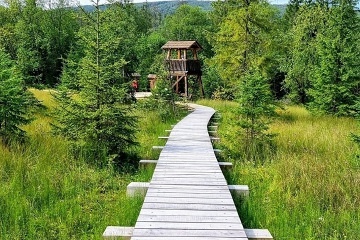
x,y
181,65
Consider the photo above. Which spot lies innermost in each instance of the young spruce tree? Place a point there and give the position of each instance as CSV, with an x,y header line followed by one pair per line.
x,y
256,108
96,118
15,102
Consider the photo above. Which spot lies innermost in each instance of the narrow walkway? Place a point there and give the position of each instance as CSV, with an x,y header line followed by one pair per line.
x,y
188,197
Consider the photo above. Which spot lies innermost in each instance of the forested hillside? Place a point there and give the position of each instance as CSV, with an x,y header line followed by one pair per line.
x,y
71,132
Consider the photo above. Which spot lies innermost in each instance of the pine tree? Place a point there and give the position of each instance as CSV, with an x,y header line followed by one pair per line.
x,y
15,102
256,108
96,118
336,78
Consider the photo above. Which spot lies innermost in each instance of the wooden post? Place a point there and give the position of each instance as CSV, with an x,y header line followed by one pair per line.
x,y
177,84
201,86
195,54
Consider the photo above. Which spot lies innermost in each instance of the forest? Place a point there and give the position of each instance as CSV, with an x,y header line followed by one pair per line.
x,y
286,83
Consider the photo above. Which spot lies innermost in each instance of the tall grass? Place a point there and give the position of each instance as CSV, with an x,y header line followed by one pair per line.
x,y
47,194
309,186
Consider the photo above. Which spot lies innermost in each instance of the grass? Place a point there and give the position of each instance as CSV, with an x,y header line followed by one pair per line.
x,y
47,194
308,187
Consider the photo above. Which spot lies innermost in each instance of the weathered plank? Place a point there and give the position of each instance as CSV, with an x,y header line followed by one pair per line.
x,y
187,219
209,233
188,197
258,234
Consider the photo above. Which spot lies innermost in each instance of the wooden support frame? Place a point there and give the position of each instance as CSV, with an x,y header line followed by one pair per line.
x,y
117,232
140,188
147,162
239,190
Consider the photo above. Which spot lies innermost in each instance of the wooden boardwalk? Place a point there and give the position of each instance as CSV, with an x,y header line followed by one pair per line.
x,y
188,197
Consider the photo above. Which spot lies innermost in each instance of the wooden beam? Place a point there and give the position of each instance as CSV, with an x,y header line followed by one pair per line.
x,y
140,188
258,234
214,139
145,163
239,190
137,188
223,165
157,147
116,232
162,137
178,79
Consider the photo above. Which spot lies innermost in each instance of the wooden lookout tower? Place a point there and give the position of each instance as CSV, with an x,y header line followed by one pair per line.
x,y
182,62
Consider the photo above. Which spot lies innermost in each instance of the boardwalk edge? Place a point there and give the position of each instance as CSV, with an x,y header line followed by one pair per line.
x,y
116,232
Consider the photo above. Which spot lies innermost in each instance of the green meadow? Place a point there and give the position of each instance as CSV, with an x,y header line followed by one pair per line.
x,y
47,194
307,186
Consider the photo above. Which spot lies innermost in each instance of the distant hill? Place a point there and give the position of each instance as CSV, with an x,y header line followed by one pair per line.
x,y
169,7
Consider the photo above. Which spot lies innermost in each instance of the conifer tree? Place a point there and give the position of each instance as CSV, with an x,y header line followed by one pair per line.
x,y
96,118
256,108
15,102
336,77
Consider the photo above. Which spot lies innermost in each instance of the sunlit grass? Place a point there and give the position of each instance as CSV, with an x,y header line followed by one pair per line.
x,y
309,187
47,194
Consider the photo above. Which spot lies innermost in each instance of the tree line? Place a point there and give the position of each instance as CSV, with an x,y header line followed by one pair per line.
x,y
309,55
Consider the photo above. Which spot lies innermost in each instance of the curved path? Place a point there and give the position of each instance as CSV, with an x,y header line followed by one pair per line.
x,y
188,197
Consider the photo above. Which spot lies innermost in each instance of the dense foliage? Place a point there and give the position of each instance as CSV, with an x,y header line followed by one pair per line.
x,y
15,102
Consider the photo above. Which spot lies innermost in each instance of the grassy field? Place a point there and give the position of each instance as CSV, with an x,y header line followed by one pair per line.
x,y
308,187
47,194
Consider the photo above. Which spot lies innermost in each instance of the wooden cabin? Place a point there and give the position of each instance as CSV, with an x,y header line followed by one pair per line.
x,y
182,62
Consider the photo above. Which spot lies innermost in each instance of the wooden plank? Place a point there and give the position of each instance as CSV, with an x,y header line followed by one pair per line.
x,y
188,219
213,195
184,206
193,200
187,187
188,225
258,234
186,238
184,212
192,233
115,231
